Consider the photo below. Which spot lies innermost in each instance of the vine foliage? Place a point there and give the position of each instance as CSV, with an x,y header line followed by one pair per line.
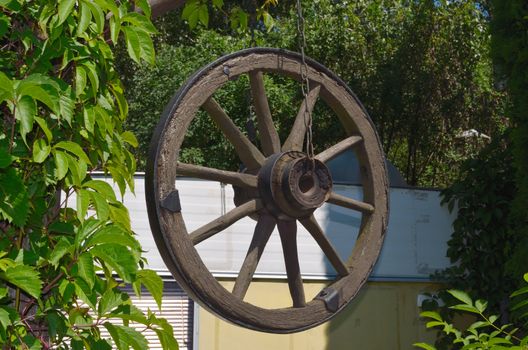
x,y
66,246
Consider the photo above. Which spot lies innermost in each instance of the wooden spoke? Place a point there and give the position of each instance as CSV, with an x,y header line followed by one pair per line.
x,y
350,203
229,177
338,148
249,154
317,233
225,221
288,236
295,140
268,134
263,230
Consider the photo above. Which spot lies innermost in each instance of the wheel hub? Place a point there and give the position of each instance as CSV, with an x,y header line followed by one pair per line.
x,y
292,186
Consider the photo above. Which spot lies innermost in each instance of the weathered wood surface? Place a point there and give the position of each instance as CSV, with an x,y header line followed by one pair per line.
x,y
295,139
247,151
177,246
225,221
350,203
263,229
288,237
268,134
335,150
228,177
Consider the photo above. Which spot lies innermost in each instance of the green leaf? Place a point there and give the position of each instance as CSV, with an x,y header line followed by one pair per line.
x,y
114,234
31,343
117,257
25,111
75,174
91,72
98,16
193,18
218,3
6,88
434,324
41,150
117,91
5,320
141,22
89,119
14,206
110,6
66,289
124,337
86,269
130,138
129,312
101,206
464,307
146,46
132,42
62,247
61,164
243,19
481,305
191,6
119,214
73,148
83,201
44,126
431,314
34,87
153,283
167,339
85,16
67,105
523,290
462,296
88,228
80,80
144,6
5,24
203,14
110,300
24,277
65,8
5,158
56,324
424,346
115,29
85,292
101,187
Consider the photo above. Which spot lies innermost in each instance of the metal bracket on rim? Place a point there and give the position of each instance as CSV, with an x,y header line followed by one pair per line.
x,y
172,202
330,297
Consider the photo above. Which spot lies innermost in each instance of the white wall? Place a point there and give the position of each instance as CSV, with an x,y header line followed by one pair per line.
x,y
415,244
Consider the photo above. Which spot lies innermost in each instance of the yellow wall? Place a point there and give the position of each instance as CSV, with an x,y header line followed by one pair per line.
x,y
384,316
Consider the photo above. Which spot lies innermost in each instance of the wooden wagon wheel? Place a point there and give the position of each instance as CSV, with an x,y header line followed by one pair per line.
x,y
280,187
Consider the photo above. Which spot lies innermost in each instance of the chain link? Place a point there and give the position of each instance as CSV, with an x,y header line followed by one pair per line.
x,y
305,83
250,122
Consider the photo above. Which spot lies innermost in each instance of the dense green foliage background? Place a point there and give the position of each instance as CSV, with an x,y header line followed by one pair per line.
x,y
66,245
490,241
421,68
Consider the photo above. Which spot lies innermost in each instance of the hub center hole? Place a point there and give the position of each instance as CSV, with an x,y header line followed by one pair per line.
x,y
306,183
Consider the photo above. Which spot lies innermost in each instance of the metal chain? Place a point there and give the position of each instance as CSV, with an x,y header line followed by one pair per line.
x,y
250,122
305,83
